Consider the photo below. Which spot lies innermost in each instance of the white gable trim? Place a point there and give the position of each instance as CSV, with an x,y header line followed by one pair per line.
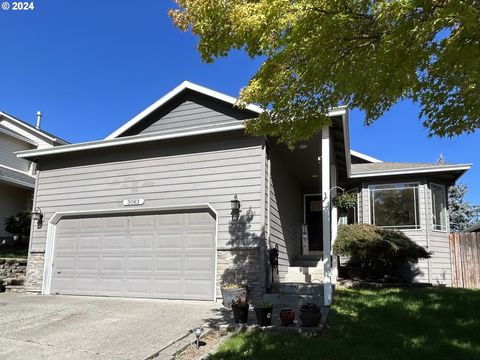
x,y
13,134
364,157
170,95
427,169
122,141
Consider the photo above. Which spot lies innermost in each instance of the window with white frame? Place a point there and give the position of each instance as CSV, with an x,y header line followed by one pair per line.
x,y
439,207
395,205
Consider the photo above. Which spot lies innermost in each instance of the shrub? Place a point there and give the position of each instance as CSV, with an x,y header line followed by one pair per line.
x,y
19,225
378,252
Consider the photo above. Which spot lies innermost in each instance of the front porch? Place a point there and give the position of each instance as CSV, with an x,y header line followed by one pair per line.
x,y
301,221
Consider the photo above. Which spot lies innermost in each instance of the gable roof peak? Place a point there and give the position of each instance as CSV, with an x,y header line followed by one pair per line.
x,y
185,85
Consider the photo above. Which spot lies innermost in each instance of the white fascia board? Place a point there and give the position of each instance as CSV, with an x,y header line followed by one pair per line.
x,y
365,157
429,169
121,141
170,95
33,129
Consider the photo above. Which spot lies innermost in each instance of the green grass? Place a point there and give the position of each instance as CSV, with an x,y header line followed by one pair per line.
x,y
13,253
390,324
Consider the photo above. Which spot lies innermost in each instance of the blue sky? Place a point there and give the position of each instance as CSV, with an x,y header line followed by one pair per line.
x,y
92,65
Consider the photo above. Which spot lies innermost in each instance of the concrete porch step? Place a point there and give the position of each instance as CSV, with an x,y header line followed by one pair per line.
x,y
19,289
309,257
304,274
291,300
298,288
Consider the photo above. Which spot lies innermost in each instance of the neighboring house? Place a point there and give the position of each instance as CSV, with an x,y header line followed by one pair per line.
x,y
147,211
17,176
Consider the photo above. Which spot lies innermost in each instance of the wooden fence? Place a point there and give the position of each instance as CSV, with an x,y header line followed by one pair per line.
x,y
465,257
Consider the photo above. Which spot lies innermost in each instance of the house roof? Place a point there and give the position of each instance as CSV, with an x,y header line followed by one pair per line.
x,y
373,168
16,177
406,168
364,156
114,140
473,228
38,132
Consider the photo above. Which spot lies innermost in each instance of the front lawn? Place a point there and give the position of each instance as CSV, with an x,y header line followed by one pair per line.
x,y
433,323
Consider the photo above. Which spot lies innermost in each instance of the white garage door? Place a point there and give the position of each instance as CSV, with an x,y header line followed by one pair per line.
x,y
148,255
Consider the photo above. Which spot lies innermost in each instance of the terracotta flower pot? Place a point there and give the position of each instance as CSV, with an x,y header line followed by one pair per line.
x,y
310,317
287,317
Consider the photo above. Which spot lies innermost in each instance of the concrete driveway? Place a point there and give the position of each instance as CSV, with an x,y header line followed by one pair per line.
x,y
73,327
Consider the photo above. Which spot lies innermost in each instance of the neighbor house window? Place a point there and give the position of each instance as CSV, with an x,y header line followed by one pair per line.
x,y
395,205
439,207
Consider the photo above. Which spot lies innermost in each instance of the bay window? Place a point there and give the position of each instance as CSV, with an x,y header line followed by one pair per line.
x,y
395,205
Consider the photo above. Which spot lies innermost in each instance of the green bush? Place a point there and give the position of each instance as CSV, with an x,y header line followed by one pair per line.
x,y
378,252
19,225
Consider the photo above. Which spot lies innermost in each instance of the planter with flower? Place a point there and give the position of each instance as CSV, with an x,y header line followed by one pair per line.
x,y
240,310
231,291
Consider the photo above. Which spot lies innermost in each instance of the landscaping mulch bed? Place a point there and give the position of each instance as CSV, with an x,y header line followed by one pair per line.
x,y
209,344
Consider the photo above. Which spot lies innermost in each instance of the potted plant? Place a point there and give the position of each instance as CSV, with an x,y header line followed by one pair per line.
x,y
231,291
345,201
240,310
264,314
287,316
310,315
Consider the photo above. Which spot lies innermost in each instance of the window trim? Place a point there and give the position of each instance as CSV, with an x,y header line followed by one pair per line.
x,y
433,208
413,184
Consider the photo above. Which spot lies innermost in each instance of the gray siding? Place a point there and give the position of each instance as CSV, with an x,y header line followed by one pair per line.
x,y
286,209
190,111
440,263
8,147
204,170
437,268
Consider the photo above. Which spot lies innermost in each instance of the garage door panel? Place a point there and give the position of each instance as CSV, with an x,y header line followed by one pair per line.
x,y
88,263
139,286
116,223
113,264
168,263
157,255
140,241
169,241
198,263
111,285
139,263
114,242
90,242
86,284
67,243
176,219
199,241
195,288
